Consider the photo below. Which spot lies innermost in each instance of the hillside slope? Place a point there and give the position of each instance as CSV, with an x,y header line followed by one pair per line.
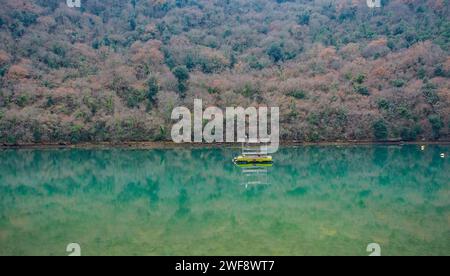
x,y
114,69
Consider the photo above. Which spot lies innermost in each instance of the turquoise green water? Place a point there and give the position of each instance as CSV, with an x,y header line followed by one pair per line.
x,y
313,201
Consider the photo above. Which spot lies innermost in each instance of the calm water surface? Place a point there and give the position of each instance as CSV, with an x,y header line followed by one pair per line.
x,y
313,201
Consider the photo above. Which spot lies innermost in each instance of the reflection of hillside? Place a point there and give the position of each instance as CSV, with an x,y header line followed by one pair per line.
x,y
170,196
130,174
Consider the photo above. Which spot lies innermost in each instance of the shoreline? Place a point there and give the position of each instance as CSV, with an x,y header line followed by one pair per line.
x,y
172,145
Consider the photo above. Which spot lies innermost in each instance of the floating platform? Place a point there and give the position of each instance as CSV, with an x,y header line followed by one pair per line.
x,y
253,160
250,166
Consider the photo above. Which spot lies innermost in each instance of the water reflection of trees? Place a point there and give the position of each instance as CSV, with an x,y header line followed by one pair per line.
x,y
142,173
180,187
132,174
125,175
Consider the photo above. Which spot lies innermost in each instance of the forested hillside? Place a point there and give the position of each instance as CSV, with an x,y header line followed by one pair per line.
x,y
113,70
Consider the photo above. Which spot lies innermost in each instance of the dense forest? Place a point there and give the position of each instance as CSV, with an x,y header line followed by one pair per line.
x,y
113,70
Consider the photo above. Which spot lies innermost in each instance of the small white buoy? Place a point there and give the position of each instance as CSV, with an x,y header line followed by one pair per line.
x,y
442,155
422,147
